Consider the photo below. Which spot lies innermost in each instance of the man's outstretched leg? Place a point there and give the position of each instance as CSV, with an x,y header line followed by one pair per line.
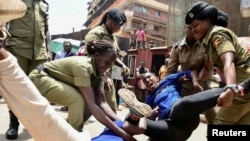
x,y
193,105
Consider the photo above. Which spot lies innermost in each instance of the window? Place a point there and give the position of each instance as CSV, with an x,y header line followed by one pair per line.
x,y
156,28
131,65
158,14
136,24
141,9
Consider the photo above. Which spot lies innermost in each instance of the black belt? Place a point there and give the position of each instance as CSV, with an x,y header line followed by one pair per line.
x,y
41,68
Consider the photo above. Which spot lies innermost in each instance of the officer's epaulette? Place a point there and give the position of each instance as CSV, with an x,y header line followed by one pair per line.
x,y
175,45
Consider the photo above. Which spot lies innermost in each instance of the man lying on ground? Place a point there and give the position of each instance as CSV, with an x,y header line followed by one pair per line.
x,y
179,116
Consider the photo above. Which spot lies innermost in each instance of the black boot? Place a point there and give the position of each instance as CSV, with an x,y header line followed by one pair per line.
x,y
12,132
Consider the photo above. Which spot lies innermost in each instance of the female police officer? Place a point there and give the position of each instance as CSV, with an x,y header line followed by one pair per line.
x,y
110,23
77,82
224,50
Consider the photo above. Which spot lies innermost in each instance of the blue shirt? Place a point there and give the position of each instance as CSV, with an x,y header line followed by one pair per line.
x,y
167,94
63,54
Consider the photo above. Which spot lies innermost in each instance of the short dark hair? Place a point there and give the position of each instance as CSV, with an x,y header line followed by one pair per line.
x,y
82,43
65,42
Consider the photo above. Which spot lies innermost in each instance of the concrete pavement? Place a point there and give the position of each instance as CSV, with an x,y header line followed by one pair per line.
x,y
94,128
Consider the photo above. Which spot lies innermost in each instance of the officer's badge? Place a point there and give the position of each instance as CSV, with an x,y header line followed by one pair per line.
x,y
191,15
217,42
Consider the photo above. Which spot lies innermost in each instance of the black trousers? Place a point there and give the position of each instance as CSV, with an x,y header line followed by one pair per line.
x,y
184,116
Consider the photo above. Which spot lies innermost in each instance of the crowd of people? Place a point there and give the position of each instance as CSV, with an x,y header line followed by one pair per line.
x,y
168,106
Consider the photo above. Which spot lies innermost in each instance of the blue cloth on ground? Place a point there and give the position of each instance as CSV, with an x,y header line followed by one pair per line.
x,y
167,93
109,135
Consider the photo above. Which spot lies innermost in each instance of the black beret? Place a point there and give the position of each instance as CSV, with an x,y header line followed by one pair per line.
x,y
195,11
117,15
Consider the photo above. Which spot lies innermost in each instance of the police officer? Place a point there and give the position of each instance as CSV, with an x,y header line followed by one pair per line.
x,y
224,50
28,44
111,23
190,56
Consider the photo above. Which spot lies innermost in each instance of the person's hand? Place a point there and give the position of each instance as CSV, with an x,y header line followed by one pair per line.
x,y
49,56
108,84
154,113
226,98
125,71
197,88
123,85
184,79
128,137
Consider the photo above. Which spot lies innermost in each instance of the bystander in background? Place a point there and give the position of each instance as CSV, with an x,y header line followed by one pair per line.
x,y
133,37
163,70
141,91
66,52
117,75
139,37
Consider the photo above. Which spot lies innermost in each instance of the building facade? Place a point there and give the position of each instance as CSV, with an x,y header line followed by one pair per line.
x,y
164,22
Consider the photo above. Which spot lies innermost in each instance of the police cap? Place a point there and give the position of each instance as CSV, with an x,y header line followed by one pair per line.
x,y
195,11
117,15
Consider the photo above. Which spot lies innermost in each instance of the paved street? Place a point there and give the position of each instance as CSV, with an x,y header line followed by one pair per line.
x,y
94,128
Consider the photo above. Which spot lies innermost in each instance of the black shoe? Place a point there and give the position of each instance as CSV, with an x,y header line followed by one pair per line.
x,y
246,86
12,133
65,108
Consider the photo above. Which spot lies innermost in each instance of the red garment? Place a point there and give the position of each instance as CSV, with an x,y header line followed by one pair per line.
x,y
80,52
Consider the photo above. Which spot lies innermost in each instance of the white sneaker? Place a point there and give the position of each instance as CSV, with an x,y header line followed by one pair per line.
x,y
136,107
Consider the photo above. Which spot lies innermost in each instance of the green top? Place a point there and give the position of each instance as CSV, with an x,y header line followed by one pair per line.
x,y
76,71
188,57
28,33
220,40
100,33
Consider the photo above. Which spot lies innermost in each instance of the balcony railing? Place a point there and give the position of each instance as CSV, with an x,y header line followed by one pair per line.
x,y
155,4
151,18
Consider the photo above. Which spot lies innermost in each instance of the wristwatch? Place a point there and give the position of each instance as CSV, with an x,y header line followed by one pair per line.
x,y
236,88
